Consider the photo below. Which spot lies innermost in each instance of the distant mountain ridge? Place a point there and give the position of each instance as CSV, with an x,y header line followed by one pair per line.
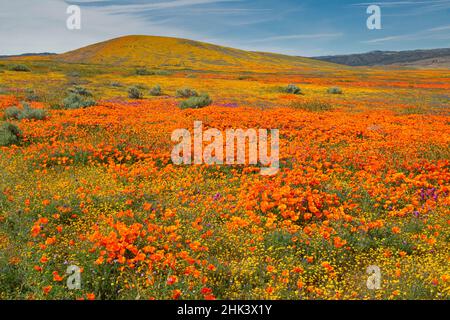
x,y
381,58
28,55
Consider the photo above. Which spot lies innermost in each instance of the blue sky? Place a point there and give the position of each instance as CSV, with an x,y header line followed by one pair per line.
x,y
295,27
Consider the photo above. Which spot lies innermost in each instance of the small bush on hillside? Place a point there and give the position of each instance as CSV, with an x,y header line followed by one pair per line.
x,y
11,113
145,72
30,95
186,93
19,68
74,74
135,93
142,72
27,112
9,134
82,91
155,91
196,102
335,90
116,84
76,101
292,89
32,114
312,106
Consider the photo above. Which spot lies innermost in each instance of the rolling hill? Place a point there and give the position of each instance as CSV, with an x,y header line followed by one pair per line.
x,y
174,53
420,58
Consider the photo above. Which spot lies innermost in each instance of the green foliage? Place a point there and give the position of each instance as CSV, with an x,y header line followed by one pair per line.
x,y
116,84
80,91
312,106
186,93
32,114
196,102
76,101
27,112
11,113
19,68
9,134
335,90
145,72
135,93
142,72
30,95
156,91
292,89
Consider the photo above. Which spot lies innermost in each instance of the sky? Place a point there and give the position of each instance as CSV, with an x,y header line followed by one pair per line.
x,y
294,27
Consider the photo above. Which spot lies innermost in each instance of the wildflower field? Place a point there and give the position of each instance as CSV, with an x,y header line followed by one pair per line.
x,y
363,181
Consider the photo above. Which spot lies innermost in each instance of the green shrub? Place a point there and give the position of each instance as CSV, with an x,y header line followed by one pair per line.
x,y
20,68
155,91
186,93
74,74
142,72
145,72
14,113
135,93
11,113
82,91
312,106
116,84
32,114
335,90
292,89
196,102
30,95
76,101
9,134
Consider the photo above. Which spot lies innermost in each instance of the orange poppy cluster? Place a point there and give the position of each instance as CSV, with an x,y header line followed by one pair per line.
x,y
95,188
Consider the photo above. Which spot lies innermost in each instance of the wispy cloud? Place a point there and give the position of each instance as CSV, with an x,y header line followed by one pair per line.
x,y
300,36
402,3
432,33
125,8
440,28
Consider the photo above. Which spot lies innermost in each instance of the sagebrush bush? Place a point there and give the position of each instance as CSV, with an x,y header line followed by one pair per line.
x,y
11,113
116,84
156,91
145,72
292,89
335,90
135,93
20,68
76,101
30,95
27,112
142,72
82,91
9,134
312,106
196,102
31,114
186,93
